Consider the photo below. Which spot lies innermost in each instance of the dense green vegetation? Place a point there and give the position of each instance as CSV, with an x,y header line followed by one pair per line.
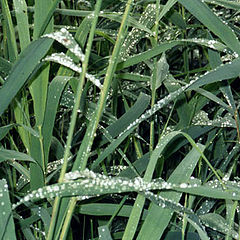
x,y
119,119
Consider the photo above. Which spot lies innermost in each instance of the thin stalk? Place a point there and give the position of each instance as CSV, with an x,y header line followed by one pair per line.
x,y
91,222
84,151
137,147
185,53
236,118
184,220
67,220
41,146
151,145
154,77
74,116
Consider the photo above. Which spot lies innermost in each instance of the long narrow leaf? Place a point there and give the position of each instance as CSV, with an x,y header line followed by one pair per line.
x,y
204,14
22,70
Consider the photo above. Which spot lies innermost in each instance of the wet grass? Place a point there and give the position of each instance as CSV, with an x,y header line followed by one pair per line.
x,y
119,119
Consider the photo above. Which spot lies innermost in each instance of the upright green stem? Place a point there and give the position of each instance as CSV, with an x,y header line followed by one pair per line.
x,y
68,219
41,146
74,116
185,53
84,151
151,145
155,40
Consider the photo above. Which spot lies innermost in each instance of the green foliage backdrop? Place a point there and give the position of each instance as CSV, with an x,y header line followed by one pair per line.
x,y
119,119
